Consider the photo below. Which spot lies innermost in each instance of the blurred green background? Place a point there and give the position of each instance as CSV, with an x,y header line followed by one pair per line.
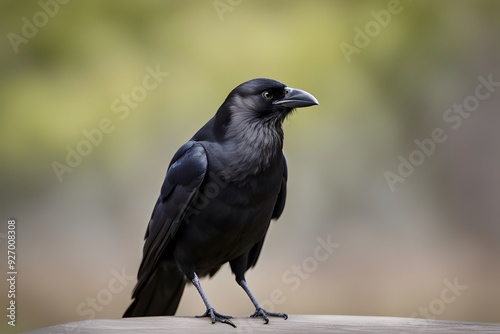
x,y
397,249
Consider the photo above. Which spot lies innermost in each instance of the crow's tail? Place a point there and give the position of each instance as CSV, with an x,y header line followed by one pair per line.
x,y
161,294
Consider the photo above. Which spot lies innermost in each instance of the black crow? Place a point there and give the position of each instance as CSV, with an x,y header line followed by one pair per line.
x,y
222,189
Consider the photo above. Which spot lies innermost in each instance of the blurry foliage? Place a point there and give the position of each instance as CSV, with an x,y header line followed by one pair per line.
x,y
65,78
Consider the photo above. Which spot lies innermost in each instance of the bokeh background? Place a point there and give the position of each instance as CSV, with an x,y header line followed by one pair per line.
x,y
396,248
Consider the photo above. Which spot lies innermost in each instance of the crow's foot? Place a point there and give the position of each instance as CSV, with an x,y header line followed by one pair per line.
x,y
260,312
217,317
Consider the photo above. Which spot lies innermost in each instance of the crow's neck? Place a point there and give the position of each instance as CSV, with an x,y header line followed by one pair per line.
x,y
254,144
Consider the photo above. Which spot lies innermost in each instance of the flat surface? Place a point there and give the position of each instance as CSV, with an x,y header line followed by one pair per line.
x,y
294,324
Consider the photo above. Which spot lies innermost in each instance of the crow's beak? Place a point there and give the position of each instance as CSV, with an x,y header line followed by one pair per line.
x,y
296,98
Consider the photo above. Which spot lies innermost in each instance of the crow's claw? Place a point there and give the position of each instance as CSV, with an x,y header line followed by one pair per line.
x,y
217,317
260,312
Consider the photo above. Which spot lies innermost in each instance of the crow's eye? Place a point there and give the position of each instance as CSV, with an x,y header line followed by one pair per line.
x,y
267,95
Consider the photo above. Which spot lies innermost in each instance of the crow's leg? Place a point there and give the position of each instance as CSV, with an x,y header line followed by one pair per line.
x,y
259,311
210,312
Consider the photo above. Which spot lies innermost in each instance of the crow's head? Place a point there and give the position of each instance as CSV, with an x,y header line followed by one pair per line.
x,y
266,100
249,123
263,100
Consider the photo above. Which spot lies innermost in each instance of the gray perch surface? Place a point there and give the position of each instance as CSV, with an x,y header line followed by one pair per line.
x,y
294,324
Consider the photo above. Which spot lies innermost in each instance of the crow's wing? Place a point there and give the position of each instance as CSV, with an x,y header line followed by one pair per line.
x,y
185,175
254,253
